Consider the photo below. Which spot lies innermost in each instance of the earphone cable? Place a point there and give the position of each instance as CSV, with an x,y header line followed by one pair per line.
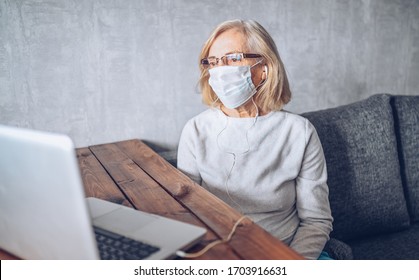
x,y
235,155
183,254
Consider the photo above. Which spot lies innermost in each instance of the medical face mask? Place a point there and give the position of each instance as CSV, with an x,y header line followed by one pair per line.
x,y
232,84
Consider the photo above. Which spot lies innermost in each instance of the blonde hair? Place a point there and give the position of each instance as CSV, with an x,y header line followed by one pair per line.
x,y
275,91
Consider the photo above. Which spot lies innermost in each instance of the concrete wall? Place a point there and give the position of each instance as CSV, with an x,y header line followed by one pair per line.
x,y
102,70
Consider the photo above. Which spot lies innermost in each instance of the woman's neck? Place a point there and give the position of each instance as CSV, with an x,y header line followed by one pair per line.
x,y
247,110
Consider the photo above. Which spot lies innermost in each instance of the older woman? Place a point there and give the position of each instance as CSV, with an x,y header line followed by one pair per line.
x,y
263,161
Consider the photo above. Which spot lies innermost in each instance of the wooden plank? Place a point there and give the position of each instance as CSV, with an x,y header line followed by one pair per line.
x,y
249,241
147,195
144,193
96,181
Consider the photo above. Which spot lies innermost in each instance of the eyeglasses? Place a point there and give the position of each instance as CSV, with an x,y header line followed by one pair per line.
x,y
228,59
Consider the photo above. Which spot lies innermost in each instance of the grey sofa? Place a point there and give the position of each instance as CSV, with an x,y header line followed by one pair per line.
x,y
372,154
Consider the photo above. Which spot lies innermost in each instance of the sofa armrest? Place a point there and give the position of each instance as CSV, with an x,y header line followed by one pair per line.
x,y
338,250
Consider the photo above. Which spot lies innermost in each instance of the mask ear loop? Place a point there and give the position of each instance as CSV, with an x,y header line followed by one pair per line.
x,y
213,102
256,63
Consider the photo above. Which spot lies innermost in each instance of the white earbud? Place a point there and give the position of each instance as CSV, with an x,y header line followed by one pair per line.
x,y
265,73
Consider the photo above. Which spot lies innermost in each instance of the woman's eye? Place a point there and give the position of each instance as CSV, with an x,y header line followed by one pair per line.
x,y
234,58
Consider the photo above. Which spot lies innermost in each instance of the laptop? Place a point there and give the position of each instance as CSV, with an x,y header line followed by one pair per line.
x,y
44,213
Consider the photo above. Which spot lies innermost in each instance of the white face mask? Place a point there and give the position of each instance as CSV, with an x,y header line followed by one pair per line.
x,y
232,84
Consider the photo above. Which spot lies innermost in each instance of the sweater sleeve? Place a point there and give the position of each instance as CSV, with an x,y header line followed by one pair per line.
x,y
186,156
312,199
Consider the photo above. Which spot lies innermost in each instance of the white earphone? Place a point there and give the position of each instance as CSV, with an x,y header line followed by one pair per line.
x,y
265,72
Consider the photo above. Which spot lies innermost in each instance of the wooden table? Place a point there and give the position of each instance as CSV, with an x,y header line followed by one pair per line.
x,y
132,174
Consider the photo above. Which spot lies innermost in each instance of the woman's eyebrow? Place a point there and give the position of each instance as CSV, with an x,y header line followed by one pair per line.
x,y
234,52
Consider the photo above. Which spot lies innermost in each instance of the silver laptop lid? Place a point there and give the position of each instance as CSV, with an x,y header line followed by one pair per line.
x,y
43,212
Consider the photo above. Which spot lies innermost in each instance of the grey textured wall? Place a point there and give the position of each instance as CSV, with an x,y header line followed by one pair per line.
x,y
103,71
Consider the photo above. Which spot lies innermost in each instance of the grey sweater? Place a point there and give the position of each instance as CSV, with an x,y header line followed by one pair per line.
x,y
272,169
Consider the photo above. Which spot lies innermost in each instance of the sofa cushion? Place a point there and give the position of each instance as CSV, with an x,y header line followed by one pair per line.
x,y
365,189
394,246
406,116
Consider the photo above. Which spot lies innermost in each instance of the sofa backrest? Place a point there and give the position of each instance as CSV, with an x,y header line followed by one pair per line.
x,y
365,186
406,117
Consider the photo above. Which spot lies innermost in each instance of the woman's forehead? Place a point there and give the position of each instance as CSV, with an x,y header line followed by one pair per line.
x,y
227,42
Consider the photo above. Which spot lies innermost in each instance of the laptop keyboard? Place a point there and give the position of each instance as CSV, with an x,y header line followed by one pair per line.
x,y
117,247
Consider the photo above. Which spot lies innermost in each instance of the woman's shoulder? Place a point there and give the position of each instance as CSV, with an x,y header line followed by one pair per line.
x,y
291,118
205,115
295,123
